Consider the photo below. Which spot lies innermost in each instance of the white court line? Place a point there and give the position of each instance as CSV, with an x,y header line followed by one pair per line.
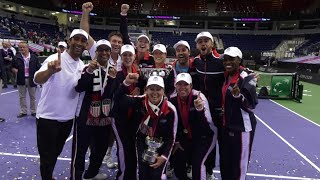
x,y
9,92
249,174
295,113
69,138
30,156
291,146
275,176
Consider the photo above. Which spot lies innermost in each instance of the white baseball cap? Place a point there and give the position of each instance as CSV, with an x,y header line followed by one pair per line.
x,y
79,31
155,80
103,42
159,47
204,34
233,52
143,35
62,43
182,42
127,48
184,77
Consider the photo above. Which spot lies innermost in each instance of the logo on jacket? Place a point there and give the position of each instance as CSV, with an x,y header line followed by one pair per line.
x,y
106,106
95,109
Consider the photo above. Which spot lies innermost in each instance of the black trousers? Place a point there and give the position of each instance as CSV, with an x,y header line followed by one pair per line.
x,y
126,150
51,137
235,153
83,137
180,159
9,76
197,150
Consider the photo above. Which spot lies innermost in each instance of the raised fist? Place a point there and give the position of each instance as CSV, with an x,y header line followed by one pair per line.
x,y
124,8
93,65
131,78
87,7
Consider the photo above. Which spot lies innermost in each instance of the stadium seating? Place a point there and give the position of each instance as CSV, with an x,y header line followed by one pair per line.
x,y
252,43
309,45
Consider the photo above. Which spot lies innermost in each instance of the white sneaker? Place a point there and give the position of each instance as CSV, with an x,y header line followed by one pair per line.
x,y
99,176
109,161
169,171
211,176
189,172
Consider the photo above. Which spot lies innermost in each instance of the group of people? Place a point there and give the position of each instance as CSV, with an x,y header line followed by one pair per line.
x,y
174,115
19,68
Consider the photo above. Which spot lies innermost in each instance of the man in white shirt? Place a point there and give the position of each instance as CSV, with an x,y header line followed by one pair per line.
x,y
58,75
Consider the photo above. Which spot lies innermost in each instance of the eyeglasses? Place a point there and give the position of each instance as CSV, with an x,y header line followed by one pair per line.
x,y
101,50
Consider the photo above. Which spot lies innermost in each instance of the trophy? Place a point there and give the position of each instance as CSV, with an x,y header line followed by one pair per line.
x,y
149,155
162,72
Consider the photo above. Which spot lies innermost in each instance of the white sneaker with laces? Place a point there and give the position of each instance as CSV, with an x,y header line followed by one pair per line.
x,y
99,176
169,171
211,176
189,172
109,161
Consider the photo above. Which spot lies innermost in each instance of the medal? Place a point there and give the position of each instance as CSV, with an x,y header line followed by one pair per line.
x,y
185,131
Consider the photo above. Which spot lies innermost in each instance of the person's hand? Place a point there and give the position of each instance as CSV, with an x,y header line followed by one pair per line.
x,y
131,78
8,58
257,76
93,65
176,147
124,8
112,72
135,92
15,70
159,161
87,7
55,65
235,90
198,103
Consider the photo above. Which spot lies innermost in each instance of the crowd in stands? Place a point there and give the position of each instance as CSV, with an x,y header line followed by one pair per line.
x,y
33,32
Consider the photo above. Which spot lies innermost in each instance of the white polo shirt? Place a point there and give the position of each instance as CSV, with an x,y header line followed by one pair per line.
x,y
59,99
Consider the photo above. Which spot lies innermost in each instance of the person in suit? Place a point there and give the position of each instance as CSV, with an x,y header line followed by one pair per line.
x,y
24,65
1,77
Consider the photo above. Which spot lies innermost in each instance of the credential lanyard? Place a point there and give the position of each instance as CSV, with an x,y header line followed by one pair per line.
x,y
104,84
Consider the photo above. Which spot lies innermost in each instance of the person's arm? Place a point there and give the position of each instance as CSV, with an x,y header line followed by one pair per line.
x,y
248,91
204,117
2,69
14,65
47,70
124,23
171,136
120,96
38,64
169,83
84,22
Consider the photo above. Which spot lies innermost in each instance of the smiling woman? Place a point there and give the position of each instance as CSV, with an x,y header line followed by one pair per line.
x,y
157,120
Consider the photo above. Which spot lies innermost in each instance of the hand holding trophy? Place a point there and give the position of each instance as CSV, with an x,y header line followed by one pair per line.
x,y
150,154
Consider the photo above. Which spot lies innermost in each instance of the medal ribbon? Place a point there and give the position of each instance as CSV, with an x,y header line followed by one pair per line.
x,y
184,114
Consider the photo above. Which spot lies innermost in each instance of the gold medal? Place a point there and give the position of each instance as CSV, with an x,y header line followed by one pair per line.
x,y
185,131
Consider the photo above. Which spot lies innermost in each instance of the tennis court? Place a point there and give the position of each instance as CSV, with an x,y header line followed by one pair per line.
x,y
286,144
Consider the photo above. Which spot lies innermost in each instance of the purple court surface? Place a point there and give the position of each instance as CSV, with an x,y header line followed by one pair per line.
x,y
286,146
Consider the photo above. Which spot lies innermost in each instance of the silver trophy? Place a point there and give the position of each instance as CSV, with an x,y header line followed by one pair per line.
x,y
146,72
149,155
